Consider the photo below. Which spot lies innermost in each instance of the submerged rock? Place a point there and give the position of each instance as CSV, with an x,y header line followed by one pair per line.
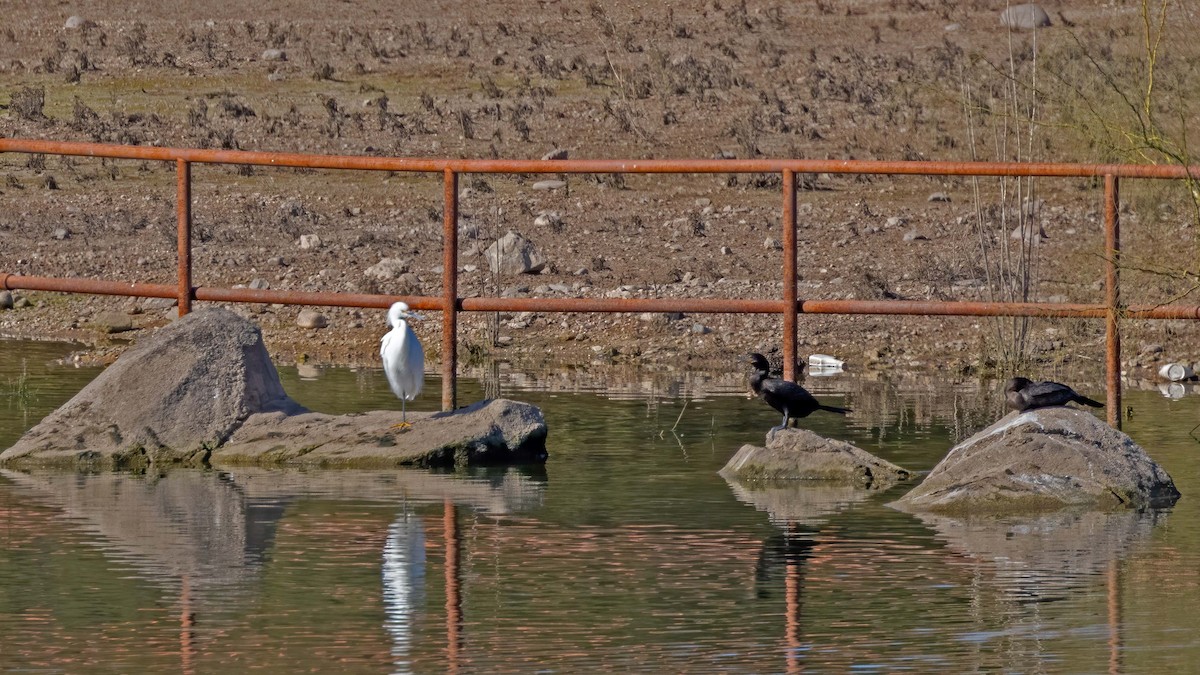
x,y
203,389
1046,458
799,454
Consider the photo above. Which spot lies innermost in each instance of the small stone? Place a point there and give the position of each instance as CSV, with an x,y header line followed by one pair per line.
x,y
74,22
939,197
112,322
1025,17
700,329
309,318
309,241
61,234
274,55
277,261
550,219
260,284
895,221
387,269
549,184
725,250
22,303
6,300
514,254
555,154
913,235
772,244
470,268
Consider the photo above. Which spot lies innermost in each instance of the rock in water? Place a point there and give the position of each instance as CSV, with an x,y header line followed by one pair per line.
x,y
799,454
203,391
171,398
1046,458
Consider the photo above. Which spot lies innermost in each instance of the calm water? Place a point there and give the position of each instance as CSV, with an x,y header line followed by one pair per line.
x,y
627,552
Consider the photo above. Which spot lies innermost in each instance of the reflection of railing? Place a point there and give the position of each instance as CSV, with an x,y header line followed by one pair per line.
x,y
450,303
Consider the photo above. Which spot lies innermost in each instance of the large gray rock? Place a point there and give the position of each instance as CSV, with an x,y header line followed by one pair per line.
x,y
799,454
489,432
514,254
203,391
170,398
1025,17
1047,458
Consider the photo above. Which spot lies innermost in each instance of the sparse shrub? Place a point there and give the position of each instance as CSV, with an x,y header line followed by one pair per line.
x,y
324,71
466,124
27,103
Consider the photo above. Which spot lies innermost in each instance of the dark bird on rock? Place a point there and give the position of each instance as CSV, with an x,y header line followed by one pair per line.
x,y
788,398
1023,394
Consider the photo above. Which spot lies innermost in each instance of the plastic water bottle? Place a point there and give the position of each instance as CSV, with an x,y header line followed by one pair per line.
x,y
824,361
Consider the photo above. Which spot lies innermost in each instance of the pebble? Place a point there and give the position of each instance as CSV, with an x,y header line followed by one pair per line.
x,y
700,329
939,197
549,184
913,235
112,322
6,300
308,241
772,244
274,55
260,284
311,319
73,22
555,154
62,233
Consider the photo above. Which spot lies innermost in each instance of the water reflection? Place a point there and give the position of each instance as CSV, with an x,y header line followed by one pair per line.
x,y
403,583
626,552
792,503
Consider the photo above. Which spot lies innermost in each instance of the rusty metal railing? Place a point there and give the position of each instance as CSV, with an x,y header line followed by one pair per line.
x,y
449,303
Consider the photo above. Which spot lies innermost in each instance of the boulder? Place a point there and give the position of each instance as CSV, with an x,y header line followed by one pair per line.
x,y
203,390
514,254
1048,458
799,454
487,433
1025,17
170,398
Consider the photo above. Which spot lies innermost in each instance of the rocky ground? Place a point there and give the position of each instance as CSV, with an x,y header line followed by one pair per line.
x,y
855,80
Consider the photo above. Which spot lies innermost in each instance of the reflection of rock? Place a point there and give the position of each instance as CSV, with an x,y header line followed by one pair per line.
x,y
509,490
799,454
791,502
1048,551
185,523
1043,459
205,386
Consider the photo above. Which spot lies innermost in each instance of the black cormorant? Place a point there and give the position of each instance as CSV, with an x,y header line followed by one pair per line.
x,y
1023,394
788,398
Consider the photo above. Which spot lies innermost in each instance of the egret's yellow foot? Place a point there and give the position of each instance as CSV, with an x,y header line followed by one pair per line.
x,y
402,426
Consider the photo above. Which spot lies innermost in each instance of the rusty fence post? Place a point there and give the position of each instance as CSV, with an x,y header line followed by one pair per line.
x,y
1112,252
450,292
183,214
789,275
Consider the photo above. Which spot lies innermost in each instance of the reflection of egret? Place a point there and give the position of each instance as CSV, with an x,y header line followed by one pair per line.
x,y
403,358
403,583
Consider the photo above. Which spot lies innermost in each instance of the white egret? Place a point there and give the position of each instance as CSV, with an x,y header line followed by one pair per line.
x,y
403,358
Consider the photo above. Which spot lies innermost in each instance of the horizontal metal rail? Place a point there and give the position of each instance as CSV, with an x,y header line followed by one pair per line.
x,y
449,303
647,166
602,305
